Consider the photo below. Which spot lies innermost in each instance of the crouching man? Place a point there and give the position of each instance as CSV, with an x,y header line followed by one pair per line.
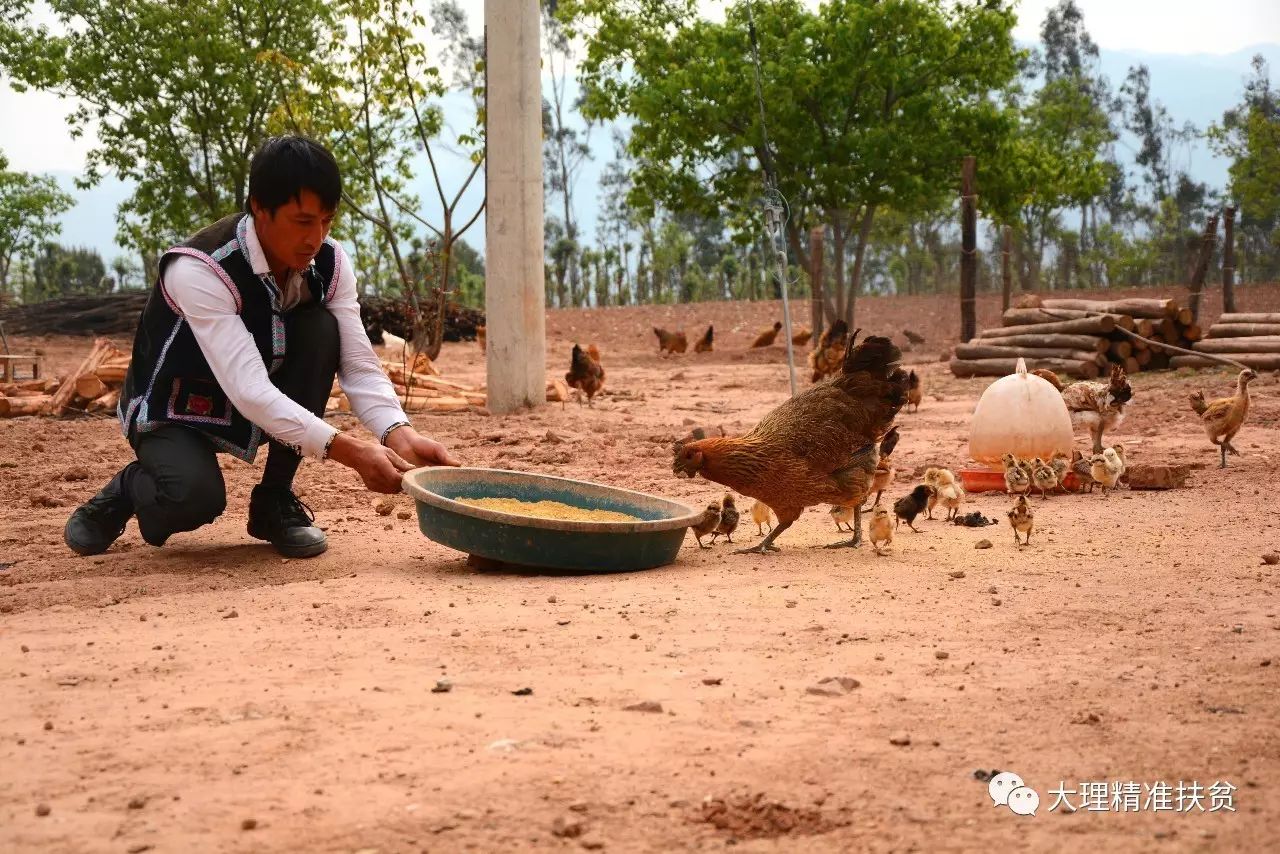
x,y
247,325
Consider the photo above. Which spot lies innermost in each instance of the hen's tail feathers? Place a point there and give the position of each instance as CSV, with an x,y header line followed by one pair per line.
x,y
594,352
877,356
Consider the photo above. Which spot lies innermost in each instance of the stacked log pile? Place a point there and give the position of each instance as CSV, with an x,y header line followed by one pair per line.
x,y
1252,340
1079,338
117,314
94,386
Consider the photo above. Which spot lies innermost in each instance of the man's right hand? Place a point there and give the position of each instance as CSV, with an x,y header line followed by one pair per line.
x,y
380,468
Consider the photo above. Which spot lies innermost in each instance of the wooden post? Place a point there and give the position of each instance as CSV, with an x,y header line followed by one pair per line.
x,y
1229,260
515,286
1202,265
817,236
968,250
1006,268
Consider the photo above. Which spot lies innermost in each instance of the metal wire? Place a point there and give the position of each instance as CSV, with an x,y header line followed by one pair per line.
x,y
774,201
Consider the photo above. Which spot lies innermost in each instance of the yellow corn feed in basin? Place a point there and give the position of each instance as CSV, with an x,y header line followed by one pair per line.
x,y
547,510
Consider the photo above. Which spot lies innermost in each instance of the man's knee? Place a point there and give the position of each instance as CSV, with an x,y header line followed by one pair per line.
x,y
193,501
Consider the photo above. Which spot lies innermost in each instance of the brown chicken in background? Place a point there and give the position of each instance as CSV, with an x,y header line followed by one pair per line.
x,y
1022,519
819,447
670,342
704,344
481,338
802,337
1224,417
585,372
766,338
826,358
1048,376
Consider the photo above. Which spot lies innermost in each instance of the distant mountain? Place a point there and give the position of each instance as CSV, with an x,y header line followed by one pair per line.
x,y
1194,87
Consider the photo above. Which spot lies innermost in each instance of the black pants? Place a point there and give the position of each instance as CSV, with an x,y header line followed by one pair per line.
x,y
176,484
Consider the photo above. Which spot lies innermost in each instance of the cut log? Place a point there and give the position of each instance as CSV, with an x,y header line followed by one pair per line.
x,y
400,376
1155,308
1120,349
1168,330
1248,317
1061,342
1191,332
1183,317
442,404
1159,361
90,387
112,374
1082,326
105,403
103,349
1257,361
1004,367
1034,316
12,407
1143,357
1268,345
1243,330
1144,327
1131,365
1144,476
980,349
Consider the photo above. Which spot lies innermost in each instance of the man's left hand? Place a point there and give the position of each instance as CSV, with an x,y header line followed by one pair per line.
x,y
418,449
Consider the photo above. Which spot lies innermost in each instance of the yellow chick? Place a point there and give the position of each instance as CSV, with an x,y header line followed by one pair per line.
x,y
1124,463
880,530
1106,468
1022,520
842,515
947,491
763,516
1043,477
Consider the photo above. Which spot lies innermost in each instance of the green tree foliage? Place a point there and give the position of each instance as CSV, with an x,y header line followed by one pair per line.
x,y
29,208
59,271
173,92
1250,135
869,104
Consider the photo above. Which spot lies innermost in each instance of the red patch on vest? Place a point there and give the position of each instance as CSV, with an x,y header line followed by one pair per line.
x,y
199,404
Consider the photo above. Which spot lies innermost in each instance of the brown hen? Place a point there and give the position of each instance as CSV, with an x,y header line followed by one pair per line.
x,y
819,447
585,372
826,358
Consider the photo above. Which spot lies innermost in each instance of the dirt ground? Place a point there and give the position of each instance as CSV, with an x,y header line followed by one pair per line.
x,y
211,696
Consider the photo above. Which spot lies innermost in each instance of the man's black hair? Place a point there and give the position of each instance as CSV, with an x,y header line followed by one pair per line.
x,y
285,166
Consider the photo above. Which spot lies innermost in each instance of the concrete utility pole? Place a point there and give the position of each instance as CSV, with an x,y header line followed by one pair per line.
x,y
515,318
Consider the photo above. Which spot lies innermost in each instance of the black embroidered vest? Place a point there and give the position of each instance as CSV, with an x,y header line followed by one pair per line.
x,y
169,379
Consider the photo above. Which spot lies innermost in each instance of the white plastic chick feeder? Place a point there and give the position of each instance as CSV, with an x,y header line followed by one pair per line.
x,y
1020,414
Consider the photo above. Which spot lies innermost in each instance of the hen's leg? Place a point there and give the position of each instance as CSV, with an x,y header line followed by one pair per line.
x,y
1096,430
766,545
857,531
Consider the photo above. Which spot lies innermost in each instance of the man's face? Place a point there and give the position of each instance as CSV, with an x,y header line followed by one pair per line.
x,y
293,235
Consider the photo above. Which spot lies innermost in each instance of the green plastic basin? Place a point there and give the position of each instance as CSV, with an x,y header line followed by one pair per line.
x,y
547,543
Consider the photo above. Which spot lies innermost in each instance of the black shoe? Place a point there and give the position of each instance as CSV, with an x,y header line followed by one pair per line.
x,y
98,522
277,516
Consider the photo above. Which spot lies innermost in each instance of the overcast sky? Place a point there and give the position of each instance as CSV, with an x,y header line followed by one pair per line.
x,y
34,136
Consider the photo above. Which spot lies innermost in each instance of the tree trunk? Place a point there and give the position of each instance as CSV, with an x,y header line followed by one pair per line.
x,y
859,255
838,239
968,249
1006,274
817,237
1202,264
1004,367
1229,260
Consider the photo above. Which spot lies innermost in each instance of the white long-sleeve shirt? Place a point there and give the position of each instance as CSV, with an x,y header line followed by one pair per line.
x,y
210,310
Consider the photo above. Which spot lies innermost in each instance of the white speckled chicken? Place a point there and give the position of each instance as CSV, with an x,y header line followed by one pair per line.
x,y
1097,405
